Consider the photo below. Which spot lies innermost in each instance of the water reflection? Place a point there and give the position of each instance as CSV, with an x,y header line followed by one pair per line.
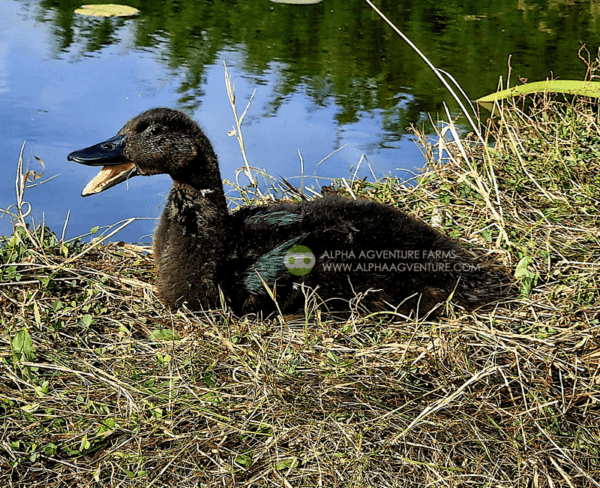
x,y
326,74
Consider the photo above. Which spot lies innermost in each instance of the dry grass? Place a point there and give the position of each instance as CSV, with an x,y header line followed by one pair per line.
x,y
102,386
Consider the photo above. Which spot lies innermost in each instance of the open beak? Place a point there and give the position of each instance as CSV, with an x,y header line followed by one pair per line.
x,y
109,155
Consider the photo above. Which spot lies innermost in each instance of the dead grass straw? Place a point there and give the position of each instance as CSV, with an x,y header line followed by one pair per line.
x,y
102,386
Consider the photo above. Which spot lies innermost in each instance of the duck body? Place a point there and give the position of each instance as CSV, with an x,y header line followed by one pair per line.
x,y
359,247
201,250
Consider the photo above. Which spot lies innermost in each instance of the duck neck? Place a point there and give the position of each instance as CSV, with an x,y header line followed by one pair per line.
x,y
201,188
199,208
190,244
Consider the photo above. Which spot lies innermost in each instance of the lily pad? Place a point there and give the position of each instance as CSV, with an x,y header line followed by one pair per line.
x,y
107,10
569,87
297,2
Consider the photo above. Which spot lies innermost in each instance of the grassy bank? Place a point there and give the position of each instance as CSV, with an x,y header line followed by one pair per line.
x,y
103,386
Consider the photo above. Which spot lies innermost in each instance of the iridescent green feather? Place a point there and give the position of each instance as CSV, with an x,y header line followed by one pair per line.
x,y
268,266
273,218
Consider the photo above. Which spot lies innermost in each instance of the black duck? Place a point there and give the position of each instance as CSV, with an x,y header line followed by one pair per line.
x,y
358,247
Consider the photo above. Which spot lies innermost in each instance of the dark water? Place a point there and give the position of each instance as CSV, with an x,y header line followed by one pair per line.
x,y
325,76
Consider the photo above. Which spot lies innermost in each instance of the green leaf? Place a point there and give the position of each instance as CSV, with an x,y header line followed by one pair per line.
x,y
10,274
487,235
69,451
522,270
286,463
36,314
42,390
528,279
107,10
85,444
86,320
570,87
30,407
22,346
50,449
163,359
244,460
209,381
164,334
110,423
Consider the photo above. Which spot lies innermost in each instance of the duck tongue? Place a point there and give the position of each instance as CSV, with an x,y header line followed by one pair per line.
x,y
108,176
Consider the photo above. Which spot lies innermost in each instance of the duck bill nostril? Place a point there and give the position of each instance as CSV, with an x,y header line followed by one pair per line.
x,y
107,153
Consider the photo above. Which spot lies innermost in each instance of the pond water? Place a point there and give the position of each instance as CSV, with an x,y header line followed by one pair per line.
x,y
325,76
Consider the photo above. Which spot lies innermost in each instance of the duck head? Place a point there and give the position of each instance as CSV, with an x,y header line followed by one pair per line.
x,y
160,140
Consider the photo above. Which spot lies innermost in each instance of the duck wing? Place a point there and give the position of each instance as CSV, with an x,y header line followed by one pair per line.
x,y
359,248
261,238
268,268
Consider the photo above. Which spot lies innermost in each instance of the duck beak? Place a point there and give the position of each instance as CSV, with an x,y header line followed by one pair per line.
x,y
109,155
